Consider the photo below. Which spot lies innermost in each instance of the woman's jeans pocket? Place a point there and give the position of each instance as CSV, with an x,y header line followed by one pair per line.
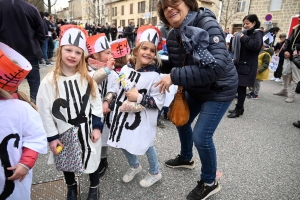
x,y
244,68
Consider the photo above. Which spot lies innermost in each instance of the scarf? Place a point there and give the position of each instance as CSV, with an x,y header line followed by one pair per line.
x,y
195,40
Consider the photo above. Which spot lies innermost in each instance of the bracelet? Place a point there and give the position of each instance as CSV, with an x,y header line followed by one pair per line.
x,y
25,166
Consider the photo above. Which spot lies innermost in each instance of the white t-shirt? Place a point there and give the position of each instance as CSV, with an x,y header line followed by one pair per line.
x,y
20,126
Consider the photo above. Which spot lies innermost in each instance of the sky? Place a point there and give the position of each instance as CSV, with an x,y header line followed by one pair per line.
x,y
60,4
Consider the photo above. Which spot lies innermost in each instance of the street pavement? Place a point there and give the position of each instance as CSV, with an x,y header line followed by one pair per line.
x,y
258,154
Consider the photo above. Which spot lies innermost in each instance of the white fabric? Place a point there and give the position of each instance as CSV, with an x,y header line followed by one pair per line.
x,y
74,36
18,117
228,37
136,130
47,101
108,85
169,95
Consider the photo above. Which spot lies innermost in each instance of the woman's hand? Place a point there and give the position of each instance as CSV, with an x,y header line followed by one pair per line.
x,y
54,144
95,135
20,172
105,107
164,84
110,63
132,95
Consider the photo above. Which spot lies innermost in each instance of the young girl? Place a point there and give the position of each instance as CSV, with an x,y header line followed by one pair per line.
x,y
120,52
100,57
61,102
22,135
134,132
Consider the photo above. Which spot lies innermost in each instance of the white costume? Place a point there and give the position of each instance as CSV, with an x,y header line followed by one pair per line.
x,y
169,95
59,113
108,85
20,126
135,132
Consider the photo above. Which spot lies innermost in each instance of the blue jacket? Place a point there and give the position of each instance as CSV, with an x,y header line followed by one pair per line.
x,y
202,82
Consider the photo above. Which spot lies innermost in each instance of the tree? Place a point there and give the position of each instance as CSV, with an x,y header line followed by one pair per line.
x,y
90,10
49,5
229,12
39,4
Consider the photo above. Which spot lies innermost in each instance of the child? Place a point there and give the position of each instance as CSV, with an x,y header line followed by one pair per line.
x,y
120,52
61,103
22,135
134,132
264,59
100,56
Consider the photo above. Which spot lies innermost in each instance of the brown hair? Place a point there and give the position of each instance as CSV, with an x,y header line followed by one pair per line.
x,y
21,95
136,49
120,62
161,4
81,68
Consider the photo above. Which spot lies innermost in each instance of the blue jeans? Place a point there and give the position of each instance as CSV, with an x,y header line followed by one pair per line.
x,y
33,79
152,159
210,115
165,111
45,50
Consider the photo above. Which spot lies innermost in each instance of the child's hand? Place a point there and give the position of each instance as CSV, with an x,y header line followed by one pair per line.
x,y
20,172
105,107
95,135
110,63
132,95
287,54
54,144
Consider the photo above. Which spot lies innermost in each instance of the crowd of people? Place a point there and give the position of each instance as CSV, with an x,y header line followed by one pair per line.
x,y
107,99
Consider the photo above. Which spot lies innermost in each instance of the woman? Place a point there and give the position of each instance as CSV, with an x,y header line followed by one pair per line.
x,y
278,49
246,60
198,61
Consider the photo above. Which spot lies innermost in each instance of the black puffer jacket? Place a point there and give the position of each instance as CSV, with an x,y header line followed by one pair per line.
x,y
296,61
203,82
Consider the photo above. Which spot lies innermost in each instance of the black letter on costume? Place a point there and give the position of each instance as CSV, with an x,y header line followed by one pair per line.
x,y
9,186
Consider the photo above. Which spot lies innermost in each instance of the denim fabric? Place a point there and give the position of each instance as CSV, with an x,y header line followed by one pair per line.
x,y
33,79
45,49
152,160
210,115
164,110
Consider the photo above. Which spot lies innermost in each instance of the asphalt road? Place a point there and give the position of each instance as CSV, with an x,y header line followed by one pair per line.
x,y
258,154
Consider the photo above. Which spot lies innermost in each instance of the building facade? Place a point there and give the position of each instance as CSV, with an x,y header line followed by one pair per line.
x,y
75,10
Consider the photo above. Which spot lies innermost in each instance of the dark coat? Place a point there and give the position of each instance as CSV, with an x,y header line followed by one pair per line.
x,y
293,39
129,33
296,61
113,31
251,44
203,82
22,28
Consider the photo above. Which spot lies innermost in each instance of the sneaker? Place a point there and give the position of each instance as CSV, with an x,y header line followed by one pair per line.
x,y
278,80
273,79
249,95
160,124
282,92
179,162
297,124
130,174
102,167
150,179
252,96
202,191
290,100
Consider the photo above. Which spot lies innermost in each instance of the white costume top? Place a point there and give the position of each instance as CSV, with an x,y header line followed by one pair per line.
x,y
22,126
108,85
59,113
135,132
169,95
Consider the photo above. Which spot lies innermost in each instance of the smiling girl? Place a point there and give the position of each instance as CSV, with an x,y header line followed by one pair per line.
x,y
134,132
62,104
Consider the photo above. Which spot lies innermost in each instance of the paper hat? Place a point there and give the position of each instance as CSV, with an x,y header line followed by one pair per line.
x,y
73,35
120,48
148,33
12,74
268,39
97,43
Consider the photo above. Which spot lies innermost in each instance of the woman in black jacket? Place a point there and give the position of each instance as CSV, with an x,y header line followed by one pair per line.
x,y
246,64
198,61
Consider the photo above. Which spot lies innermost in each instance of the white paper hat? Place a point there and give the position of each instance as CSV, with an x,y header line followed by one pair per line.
x,y
97,43
73,35
148,33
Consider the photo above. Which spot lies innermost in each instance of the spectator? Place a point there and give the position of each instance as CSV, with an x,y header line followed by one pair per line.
x,y
48,18
107,31
296,61
130,34
120,32
274,31
278,49
113,32
15,17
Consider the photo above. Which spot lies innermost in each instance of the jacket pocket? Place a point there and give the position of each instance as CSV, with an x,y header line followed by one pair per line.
x,y
244,67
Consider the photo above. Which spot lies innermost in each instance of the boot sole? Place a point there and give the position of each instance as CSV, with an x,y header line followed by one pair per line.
x,y
182,166
213,192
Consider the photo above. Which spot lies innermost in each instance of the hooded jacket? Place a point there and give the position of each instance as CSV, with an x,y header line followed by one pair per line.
x,y
264,59
202,82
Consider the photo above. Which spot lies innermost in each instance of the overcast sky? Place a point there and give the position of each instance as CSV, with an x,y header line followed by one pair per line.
x,y
60,4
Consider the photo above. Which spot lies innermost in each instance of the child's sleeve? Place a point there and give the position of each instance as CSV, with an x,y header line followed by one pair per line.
x,y
96,102
266,62
28,157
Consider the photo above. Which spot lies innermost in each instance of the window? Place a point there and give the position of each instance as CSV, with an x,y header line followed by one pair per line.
x,y
141,7
275,5
131,8
122,22
152,5
116,13
122,10
141,21
154,21
241,6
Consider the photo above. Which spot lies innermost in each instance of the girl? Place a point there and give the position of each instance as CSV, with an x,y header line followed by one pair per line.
x,y
100,57
61,100
134,132
22,135
120,52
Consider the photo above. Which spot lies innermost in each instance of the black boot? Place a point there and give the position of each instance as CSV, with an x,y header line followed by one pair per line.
x,y
72,192
232,111
94,193
102,167
236,112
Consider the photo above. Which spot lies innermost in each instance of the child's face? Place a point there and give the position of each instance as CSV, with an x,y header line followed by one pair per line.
x,y
145,54
104,56
71,56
